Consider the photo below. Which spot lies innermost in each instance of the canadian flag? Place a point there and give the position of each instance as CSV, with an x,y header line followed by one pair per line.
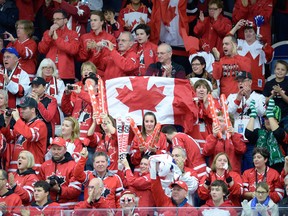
x,y
170,99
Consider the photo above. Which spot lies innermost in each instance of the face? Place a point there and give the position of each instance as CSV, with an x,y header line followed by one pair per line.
x,y
10,60
177,155
197,68
216,193
227,46
244,83
22,162
221,123
39,194
108,15
286,185
58,152
214,10
20,30
127,201
141,36
149,123
3,181
169,137
124,42
38,89
47,71
94,188
280,71
59,19
201,92
135,1
249,35
2,100
67,128
96,23
267,123
86,70
259,161
178,194
144,165
100,164
163,54
261,194
221,162
104,126
26,113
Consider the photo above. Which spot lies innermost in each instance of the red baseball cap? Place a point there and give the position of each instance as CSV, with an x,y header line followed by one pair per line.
x,y
181,184
59,141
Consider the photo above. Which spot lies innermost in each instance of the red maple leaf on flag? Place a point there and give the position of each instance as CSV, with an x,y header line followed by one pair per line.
x,y
134,23
168,15
140,98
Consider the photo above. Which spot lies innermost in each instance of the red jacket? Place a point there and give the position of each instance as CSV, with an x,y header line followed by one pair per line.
x,y
234,148
136,155
92,54
78,14
272,178
91,209
12,201
80,108
70,188
17,86
61,51
30,136
141,185
207,207
119,65
147,53
195,158
28,55
162,200
261,7
112,183
226,70
235,191
213,32
24,185
49,209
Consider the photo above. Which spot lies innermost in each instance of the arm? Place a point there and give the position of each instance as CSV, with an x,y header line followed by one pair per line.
x,y
72,191
209,146
159,196
27,51
222,26
140,183
79,173
67,105
239,145
48,113
240,11
19,89
45,43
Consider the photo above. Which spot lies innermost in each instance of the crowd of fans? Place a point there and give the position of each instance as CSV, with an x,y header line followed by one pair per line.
x,y
57,153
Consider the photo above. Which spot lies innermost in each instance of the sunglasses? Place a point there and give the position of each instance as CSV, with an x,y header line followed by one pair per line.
x,y
126,200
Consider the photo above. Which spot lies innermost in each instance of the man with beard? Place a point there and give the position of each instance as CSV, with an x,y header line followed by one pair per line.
x,y
59,173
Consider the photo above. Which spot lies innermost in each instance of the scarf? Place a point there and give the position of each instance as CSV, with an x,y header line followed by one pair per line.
x,y
254,201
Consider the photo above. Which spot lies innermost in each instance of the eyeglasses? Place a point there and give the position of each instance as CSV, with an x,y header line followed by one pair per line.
x,y
126,200
122,40
261,192
213,9
196,64
46,67
90,187
57,19
162,53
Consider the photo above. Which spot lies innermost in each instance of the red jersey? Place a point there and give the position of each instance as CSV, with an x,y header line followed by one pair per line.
x,y
270,176
12,201
70,188
226,71
195,158
49,209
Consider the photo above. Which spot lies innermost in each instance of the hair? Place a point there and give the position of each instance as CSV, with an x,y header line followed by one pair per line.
x,y
42,184
98,13
89,63
145,27
168,129
169,48
202,82
113,124
147,156
108,9
30,158
262,151
44,63
131,37
213,165
219,3
4,174
5,94
98,154
75,127
222,184
143,131
28,26
65,15
184,154
283,63
201,59
263,185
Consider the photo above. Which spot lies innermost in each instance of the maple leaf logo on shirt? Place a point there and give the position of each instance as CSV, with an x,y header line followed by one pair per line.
x,y
141,98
